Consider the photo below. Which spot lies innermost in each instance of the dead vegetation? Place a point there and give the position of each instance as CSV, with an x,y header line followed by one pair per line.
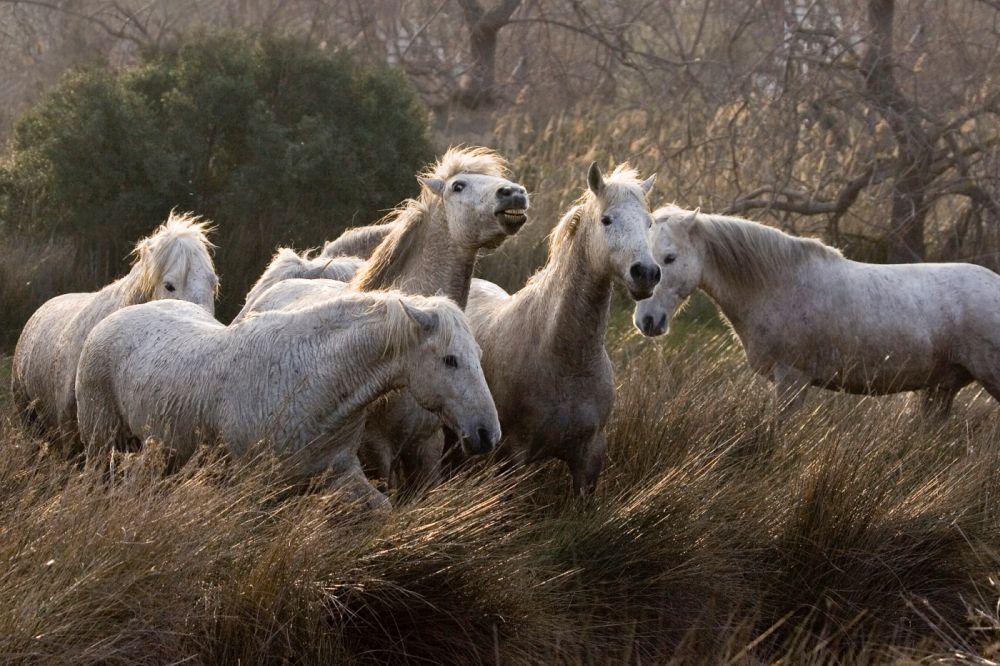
x,y
856,533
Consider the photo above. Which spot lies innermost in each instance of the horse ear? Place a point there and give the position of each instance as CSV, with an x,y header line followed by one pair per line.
x,y
435,185
426,321
689,220
595,179
647,184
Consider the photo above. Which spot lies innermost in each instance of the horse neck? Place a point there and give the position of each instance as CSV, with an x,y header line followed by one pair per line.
x,y
573,298
126,290
736,299
435,264
355,357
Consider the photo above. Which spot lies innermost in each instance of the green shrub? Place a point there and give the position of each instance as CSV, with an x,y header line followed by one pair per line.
x,y
273,138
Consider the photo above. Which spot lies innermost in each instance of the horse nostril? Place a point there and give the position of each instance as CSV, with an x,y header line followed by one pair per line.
x,y
647,323
655,274
485,439
663,322
636,271
504,192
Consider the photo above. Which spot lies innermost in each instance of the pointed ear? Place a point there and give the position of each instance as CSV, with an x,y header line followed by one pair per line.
x,y
427,322
435,185
689,220
595,179
647,184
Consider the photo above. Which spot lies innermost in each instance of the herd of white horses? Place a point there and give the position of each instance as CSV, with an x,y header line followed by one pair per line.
x,y
384,349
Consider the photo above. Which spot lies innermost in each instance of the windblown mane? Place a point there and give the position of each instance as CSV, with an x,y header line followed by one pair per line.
x,y
287,264
387,262
389,259
175,246
381,308
747,252
358,242
472,159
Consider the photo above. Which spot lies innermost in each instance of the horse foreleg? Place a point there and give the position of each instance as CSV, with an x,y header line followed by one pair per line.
x,y
420,463
350,482
452,455
377,455
587,465
790,390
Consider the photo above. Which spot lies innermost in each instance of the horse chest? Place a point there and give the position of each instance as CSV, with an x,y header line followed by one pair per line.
x,y
544,418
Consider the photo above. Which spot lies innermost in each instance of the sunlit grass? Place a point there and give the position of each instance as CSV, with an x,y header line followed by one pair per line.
x,y
856,532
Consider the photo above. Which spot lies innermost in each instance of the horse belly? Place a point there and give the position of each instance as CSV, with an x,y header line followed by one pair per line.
x,y
880,374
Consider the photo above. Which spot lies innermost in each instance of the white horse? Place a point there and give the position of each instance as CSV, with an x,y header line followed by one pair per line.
x,y
173,263
298,379
428,246
286,264
806,316
543,347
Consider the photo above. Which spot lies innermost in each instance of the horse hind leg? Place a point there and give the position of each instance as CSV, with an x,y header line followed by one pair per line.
x,y
938,401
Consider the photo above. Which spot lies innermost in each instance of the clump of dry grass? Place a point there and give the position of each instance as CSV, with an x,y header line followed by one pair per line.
x,y
856,532
32,271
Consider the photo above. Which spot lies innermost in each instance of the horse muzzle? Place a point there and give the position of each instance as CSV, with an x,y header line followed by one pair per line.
x,y
643,279
482,442
652,327
511,210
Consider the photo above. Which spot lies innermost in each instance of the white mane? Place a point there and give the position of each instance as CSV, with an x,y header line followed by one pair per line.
x,y
747,252
174,247
287,264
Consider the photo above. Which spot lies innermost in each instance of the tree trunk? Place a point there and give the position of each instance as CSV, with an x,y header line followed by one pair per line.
x,y
479,85
915,150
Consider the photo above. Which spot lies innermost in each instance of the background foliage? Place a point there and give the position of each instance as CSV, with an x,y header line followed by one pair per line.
x,y
274,139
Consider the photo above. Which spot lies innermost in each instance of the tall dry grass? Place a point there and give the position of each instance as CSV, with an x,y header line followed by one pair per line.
x,y
857,532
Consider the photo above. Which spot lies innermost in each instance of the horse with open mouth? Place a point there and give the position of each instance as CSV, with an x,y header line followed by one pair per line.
x,y
427,246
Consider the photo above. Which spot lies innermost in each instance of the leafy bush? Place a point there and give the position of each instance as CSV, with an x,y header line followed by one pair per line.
x,y
275,139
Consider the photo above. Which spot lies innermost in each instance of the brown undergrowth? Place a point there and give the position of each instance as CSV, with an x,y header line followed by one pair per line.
x,y
856,532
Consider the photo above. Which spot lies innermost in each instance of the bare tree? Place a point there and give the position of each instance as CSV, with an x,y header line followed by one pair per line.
x,y
483,25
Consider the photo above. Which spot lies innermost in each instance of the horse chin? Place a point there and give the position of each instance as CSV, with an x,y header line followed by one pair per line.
x,y
639,293
511,220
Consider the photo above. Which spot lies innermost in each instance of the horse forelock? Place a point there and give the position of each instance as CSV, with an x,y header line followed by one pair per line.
x,y
174,247
750,253
467,159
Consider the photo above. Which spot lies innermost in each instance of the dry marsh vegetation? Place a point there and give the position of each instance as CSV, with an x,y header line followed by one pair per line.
x,y
858,532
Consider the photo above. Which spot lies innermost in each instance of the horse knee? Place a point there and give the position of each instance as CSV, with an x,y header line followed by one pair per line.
x,y
586,469
357,490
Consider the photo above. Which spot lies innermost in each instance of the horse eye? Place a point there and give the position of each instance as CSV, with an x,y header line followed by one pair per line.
x,y
457,186
669,259
606,220
451,361
169,287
